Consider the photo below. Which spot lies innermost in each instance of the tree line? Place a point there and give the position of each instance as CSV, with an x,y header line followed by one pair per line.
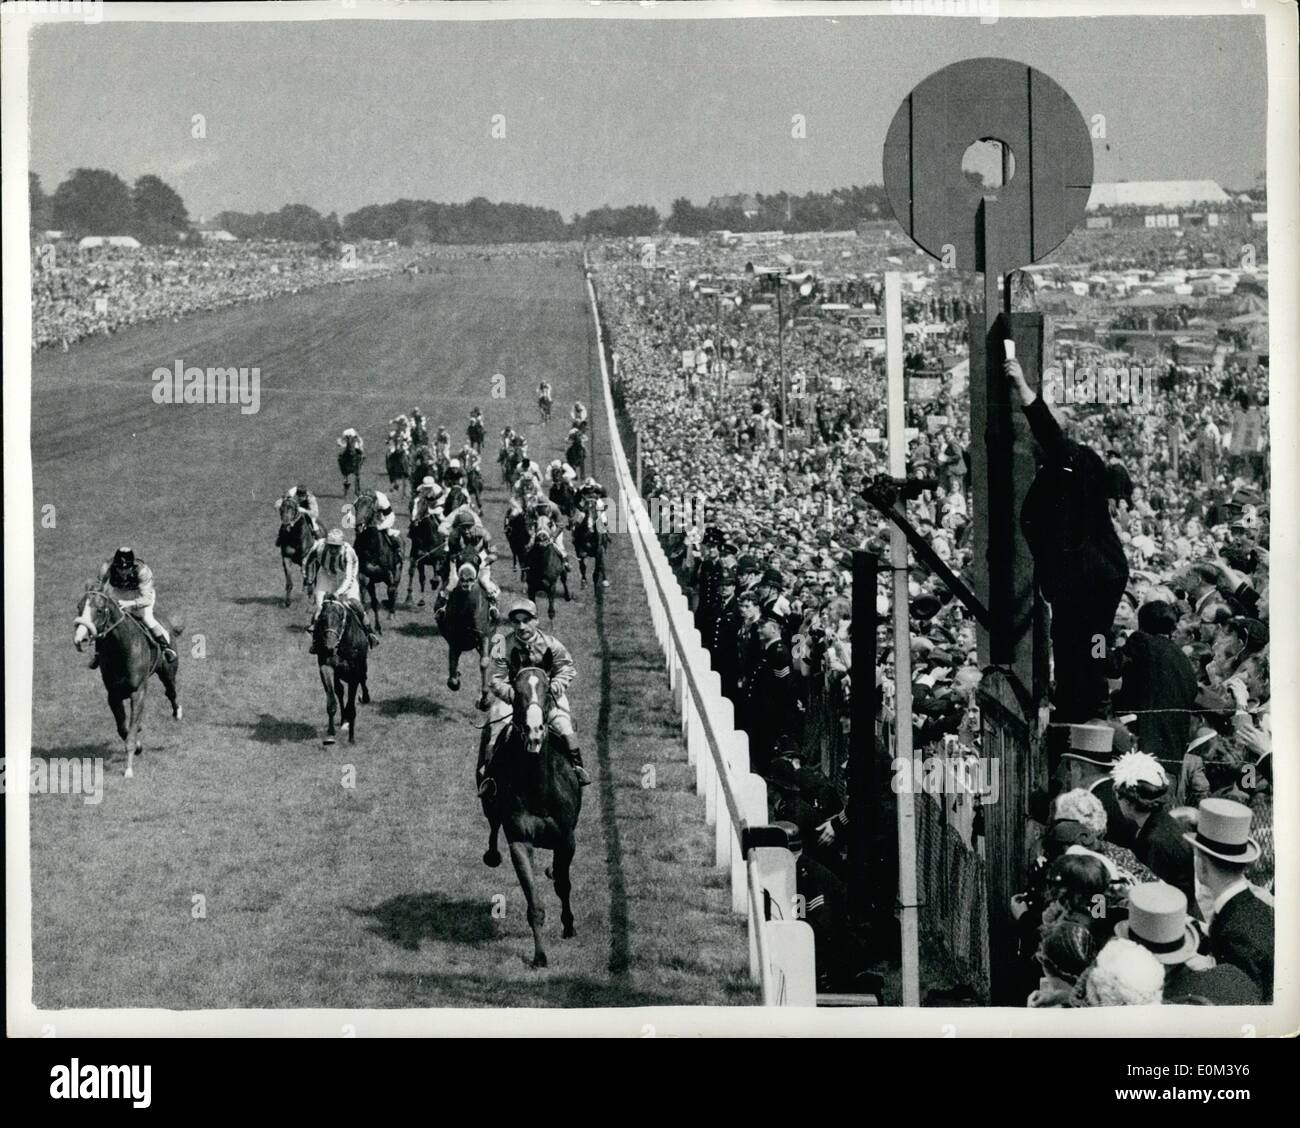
x,y
98,202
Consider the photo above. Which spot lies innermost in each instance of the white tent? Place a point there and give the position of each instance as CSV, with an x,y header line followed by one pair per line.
x,y
128,241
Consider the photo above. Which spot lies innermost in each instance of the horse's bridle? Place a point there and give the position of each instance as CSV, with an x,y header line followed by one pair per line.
x,y
90,625
329,631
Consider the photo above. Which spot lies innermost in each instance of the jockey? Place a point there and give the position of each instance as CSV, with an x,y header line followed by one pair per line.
x,y
526,645
427,494
419,427
358,443
475,420
546,516
593,489
400,435
336,575
386,519
442,443
454,475
578,416
130,582
308,506
466,533
544,391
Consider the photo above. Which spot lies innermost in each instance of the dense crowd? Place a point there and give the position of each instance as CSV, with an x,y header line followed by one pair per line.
x,y
1182,487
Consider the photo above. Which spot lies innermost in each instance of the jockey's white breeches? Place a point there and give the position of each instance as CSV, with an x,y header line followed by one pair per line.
x,y
146,616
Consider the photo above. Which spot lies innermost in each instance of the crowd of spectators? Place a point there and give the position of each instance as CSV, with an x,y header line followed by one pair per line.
x,y
769,568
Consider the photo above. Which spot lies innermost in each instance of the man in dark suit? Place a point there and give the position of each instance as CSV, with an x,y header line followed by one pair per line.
x,y
723,632
1158,684
1079,562
1239,916
774,698
708,569
1158,920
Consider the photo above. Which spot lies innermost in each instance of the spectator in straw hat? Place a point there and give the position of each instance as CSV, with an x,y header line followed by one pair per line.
x,y
1239,916
1158,920
1142,791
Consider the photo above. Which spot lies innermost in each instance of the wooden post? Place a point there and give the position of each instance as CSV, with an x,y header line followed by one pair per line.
x,y
865,783
638,463
902,651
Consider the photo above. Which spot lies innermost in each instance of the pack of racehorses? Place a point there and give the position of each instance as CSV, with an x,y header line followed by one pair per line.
x,y
537,796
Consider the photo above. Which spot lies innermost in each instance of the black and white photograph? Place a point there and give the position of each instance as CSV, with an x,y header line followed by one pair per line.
x,y
599,518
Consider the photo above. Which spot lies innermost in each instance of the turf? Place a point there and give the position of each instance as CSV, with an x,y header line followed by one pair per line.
x,y
315,894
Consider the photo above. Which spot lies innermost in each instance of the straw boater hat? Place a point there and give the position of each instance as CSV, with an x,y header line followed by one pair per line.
x,y
1158,920
1223,832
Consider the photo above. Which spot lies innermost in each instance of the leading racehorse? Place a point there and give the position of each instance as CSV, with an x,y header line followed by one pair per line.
x,y
350,459
128,657
297,534
342,657
536,800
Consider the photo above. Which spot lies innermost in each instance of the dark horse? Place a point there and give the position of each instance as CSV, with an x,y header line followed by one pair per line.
x,y
350,459
544,567
423,464
563,494
536,801
466,621
398,464
475,433
342,656
297,534
379,559
518,533
576,454
474,484
428,550
128,657
589,539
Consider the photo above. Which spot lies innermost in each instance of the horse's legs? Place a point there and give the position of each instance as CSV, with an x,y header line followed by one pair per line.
x,y
582,568
453,666
484,661
331,702
117,704
167,675
133,728
564,579
288,580
561,860
372,587
522,856
350,710
550,601
492,856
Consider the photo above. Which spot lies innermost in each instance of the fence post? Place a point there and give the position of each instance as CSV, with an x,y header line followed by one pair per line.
x,y
864,782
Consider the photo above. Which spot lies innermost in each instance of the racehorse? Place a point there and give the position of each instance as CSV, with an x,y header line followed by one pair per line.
x,y
128,657
543,568
297,534
342,657
454,499
398,463
422,463
474,484
475,433
589,539
544,408
576,454
350,459
518,534
563,494
536,800
466,621
379,559
428,550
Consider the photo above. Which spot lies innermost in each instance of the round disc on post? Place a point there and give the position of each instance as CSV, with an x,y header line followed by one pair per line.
x,y
943,209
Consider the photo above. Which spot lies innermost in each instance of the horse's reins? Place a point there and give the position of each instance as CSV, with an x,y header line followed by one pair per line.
x,y
95,633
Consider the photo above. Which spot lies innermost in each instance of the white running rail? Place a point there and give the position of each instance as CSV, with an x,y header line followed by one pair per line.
x,y
781,948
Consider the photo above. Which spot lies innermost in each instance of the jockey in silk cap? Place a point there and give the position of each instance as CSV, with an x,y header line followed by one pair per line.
x,y
578,416
130,583
544,391
386,519
419,427
593,489
546,517
427,494
307,504
358,443
454,475
528,645
336,575
466,533
442,443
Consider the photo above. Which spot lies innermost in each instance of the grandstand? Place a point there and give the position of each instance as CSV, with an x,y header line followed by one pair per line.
x,y
1156,194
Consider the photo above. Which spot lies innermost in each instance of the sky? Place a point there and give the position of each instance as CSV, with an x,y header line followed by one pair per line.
x,y
338,115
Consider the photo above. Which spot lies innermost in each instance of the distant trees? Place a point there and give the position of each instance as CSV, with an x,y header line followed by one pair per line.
x,y
477,221
42,209
293,223
612,223
93,201
158,212
837,210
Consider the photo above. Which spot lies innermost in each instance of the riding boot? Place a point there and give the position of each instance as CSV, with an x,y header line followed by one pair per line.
x,y
572,751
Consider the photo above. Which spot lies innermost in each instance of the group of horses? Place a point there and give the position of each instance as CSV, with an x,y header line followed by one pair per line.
x,y
537,796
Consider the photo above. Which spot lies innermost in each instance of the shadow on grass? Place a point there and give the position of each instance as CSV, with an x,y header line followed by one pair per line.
x,y
547,989
408,918
417,630
105,749
408,705
271,730
258,600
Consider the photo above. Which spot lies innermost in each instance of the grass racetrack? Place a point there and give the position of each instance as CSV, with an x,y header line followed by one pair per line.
x,y
317,894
